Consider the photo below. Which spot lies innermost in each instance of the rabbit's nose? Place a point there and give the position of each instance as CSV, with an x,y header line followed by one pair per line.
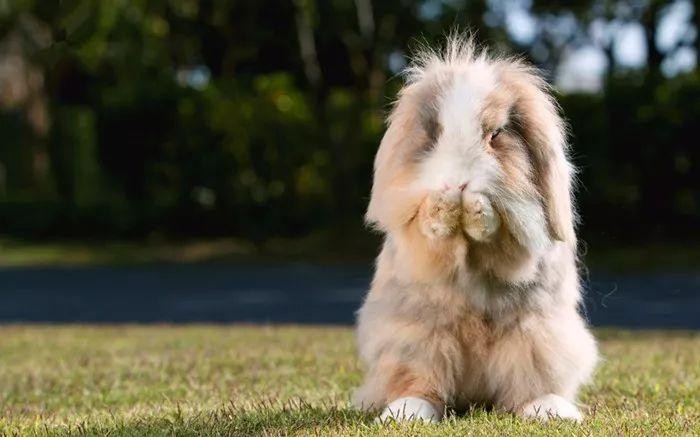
x,y
463,186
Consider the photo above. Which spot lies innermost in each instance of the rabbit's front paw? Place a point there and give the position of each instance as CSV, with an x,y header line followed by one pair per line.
x,y
439,216
480,220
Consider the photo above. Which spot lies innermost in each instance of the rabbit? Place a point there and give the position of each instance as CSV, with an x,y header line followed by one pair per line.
x,y
475,297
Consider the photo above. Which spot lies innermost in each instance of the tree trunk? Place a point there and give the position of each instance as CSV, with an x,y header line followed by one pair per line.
x,y
650,20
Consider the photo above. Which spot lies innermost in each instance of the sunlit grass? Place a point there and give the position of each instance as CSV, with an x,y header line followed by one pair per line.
x,y
359,245
226,380
321,246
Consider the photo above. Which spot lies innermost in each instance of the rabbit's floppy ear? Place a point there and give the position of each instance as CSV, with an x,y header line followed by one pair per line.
x,y
538,121
412,125
378,209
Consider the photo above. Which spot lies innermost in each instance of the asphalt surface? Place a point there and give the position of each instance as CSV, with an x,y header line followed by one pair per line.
x,y
292,293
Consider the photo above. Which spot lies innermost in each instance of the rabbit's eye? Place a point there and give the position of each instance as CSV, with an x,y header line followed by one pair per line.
x,y
494,134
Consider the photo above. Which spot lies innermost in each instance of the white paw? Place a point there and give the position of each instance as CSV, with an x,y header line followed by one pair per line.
x,y
552,407
440,216
410,408
480,220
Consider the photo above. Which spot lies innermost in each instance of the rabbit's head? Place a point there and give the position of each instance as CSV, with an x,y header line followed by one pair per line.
x,y
486,125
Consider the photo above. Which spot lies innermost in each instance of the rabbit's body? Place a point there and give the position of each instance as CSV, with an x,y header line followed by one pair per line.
x,y
476,293
474,340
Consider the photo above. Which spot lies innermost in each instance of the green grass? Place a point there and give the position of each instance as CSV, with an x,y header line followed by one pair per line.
x,y
317,247
358,246
237,380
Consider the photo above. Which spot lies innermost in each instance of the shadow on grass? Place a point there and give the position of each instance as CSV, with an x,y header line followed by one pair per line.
x,y
262,418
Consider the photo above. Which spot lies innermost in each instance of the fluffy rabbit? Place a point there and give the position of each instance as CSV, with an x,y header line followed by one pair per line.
x,y
476,294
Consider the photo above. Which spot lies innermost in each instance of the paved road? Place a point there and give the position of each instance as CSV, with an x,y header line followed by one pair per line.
x,y
286,294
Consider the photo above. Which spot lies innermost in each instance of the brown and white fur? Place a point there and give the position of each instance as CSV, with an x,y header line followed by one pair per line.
x,y
476,294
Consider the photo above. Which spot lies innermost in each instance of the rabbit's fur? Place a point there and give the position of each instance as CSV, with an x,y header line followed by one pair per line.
x,y
476,295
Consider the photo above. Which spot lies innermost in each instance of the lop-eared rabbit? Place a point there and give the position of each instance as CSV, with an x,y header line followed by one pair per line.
x,y
475,298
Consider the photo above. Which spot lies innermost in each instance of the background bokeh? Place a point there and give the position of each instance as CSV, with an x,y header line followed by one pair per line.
x,y
259,119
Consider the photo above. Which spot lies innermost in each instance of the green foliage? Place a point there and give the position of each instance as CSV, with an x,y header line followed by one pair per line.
x,y
260,119
636,147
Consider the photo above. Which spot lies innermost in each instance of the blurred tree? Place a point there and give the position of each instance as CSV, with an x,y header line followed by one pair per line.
x,y
209,117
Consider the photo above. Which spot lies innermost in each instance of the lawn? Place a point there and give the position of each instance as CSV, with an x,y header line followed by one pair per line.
x,y
238,380
358,245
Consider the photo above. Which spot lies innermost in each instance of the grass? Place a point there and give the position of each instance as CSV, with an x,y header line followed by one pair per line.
x,y
238,380
358,246
317,247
